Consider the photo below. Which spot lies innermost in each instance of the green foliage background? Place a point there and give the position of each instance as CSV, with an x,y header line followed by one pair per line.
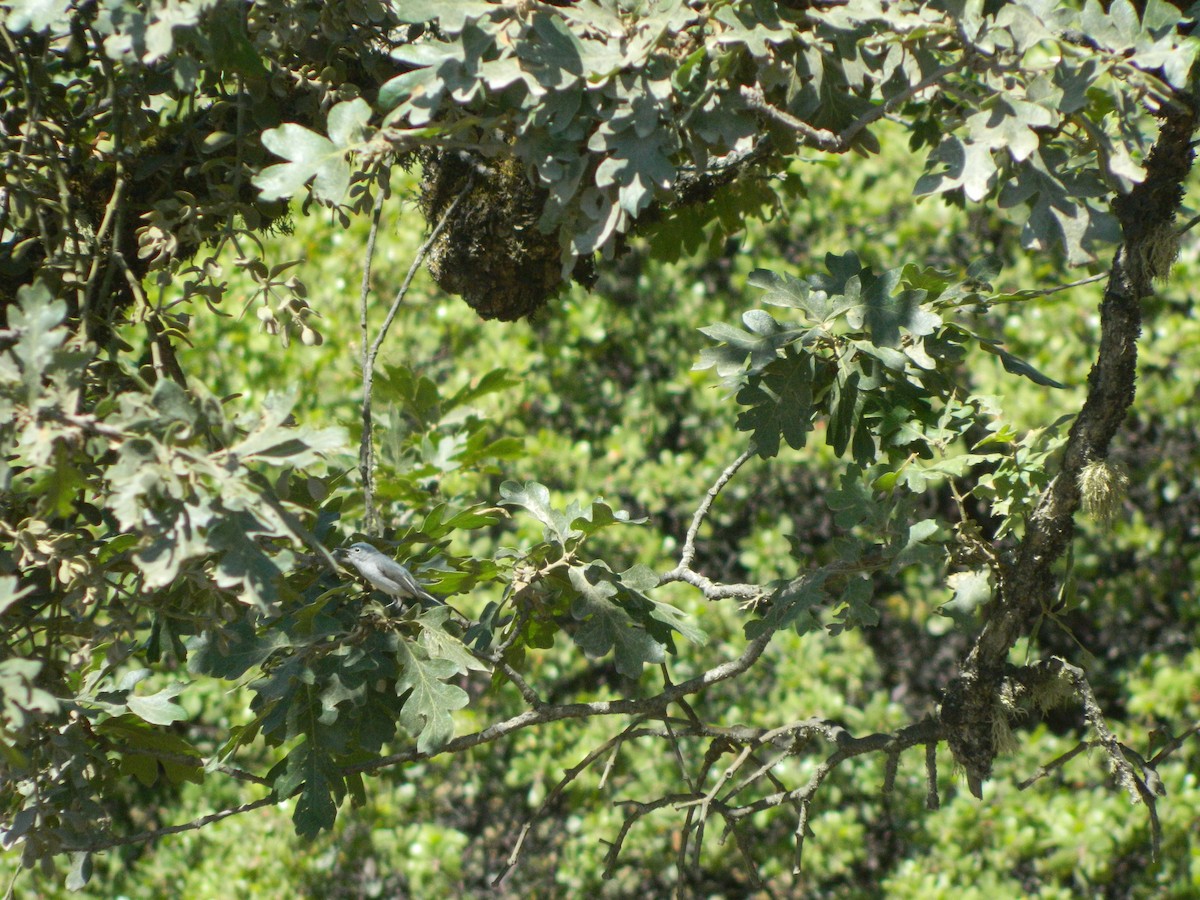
x,y
604,395
608,397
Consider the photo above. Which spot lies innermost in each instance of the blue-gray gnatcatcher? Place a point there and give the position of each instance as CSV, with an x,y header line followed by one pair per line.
x,y
386,574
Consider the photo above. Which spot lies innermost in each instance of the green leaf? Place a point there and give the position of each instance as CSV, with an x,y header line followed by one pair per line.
x,y
858,611
310,154
81,870
971,590
846,404
148,752
781,290
20,696
440,644
173,403
739,348
678,621
966,165
494,381
159,708
430,700
36,15
282,445
417,394
535,499
231,49
1057,193
596,517
917,547
36,319
885,312
231,651
417,83
312,157
241,563
556,55
793,604
10,593
607,627
451,15
820,307
316,809
347,122
1015,365
337,691
781,405
1010,124
853,502
636,165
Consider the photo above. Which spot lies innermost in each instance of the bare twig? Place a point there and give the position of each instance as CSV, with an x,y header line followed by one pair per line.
x,y
370,349
194,825
1143,786
712,590
823,139
848,747
528,694
932,801
802,832
1025,296
688,555
638,811
366,458
1126,776
1057,763
684,572
764,770
1174,744
675,748
633,731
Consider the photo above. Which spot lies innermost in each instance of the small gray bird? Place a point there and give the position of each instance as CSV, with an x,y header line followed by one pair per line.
x,y
386,574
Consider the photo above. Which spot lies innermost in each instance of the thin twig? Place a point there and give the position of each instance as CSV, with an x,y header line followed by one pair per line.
x,y
687,555
802,832
764,770
366,461
645,706
675,748
1057,763
639,810
712,590
932,801
848,748
193,825
366,452
1023,296
569,776
1126,776
823,139
1174,744
528,694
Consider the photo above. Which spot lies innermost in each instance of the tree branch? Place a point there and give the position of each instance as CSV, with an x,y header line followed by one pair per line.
x,y
366,454
823,139
1147,216
557,713
684,572
193,825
